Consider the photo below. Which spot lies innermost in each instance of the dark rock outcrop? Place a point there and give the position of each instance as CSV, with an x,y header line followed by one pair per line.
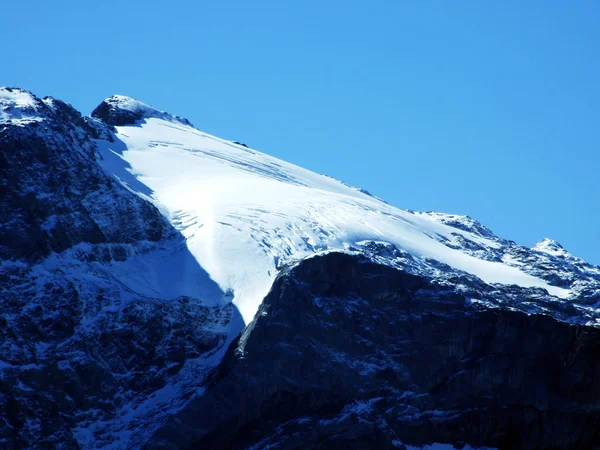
x,y
54,195
344,353
119,110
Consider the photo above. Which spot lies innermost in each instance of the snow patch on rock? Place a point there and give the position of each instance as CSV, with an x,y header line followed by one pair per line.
x,y
551,247
18,107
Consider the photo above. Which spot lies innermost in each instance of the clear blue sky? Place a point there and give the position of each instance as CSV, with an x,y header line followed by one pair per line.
x,y
485,108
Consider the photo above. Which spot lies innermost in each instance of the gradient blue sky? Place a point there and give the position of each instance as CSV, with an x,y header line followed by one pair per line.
x,y
484,108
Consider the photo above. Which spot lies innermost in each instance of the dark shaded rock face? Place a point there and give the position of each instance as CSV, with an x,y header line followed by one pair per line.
x,y
65,375
344,353
54,195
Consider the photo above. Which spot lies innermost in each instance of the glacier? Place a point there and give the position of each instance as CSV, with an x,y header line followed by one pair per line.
x,y
244,213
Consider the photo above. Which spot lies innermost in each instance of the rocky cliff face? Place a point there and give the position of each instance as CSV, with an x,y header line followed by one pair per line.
x,y
345,353
112,335
54,195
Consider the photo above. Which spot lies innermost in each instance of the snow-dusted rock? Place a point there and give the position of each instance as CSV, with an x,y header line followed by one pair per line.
x,y
120,110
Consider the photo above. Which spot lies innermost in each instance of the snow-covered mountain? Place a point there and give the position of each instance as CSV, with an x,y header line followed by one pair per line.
x,y
136,250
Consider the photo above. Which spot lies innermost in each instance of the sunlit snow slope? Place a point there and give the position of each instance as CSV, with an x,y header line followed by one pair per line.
x,y
245,214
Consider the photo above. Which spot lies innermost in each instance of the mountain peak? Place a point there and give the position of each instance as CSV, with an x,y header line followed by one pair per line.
x,y
551,247
120,110
19,107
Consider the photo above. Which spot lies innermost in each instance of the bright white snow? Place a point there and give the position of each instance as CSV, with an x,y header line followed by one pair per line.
x,y
244,213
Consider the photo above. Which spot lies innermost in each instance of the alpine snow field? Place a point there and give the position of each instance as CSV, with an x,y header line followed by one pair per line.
x,y
164,288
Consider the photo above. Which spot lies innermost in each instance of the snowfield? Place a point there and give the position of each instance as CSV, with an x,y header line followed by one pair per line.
x,y
245,214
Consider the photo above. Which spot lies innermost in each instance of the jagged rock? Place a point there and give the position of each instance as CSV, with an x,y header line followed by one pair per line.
x,y
55,196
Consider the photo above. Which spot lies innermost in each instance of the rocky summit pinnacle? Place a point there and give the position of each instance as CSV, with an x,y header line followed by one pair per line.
x,y
164,288
120,110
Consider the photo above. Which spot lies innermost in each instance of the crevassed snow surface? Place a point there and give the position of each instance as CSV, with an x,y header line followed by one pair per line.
x,y
245,213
